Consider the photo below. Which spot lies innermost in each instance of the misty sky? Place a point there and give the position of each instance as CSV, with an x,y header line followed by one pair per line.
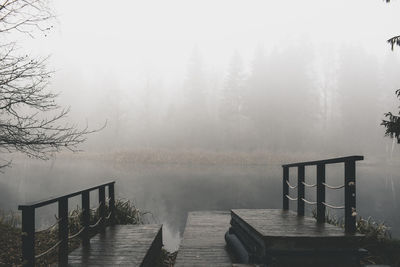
x,y
131,40
121,61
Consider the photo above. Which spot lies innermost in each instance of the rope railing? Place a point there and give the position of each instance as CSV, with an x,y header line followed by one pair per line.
x,y
333,186
76,234
308,185
96,224
332,206
321,186
49,250
291,198
309,202
108,216
48,228
291,186
96,208
28,222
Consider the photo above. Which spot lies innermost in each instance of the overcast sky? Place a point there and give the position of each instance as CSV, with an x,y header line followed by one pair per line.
x,y
130,40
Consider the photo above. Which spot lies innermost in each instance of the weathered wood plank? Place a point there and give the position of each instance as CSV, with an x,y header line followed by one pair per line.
x,y
271,234
203,241
281,223
129,245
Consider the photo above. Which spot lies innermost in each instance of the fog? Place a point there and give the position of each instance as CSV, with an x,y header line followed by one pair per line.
x,y
204,100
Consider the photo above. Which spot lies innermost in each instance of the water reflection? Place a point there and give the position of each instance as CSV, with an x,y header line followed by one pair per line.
x,y
169,192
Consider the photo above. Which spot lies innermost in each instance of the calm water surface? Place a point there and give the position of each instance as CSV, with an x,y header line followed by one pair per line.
x,y
169,192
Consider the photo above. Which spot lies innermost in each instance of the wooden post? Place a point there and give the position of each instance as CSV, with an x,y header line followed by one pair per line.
x,y
28,236
63,231
85,217
285,190
350,196
102,207
320,193
111,195
300,190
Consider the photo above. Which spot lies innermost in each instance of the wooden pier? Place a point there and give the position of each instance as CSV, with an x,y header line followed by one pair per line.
x,y
241,237
279,237
111,245
203,241
121,245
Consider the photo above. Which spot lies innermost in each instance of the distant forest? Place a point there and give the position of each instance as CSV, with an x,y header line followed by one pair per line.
x,y
289,98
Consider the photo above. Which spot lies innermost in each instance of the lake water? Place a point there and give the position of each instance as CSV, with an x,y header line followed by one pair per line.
x,y
170,191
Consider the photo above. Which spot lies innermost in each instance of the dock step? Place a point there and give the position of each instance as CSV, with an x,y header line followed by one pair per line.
x,y
129,245
282,237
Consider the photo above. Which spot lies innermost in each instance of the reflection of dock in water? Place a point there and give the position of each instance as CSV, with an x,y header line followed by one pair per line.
x,y
278,237
214,238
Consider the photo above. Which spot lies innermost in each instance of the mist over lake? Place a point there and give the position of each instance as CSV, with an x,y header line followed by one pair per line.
x,y
195,105
169,191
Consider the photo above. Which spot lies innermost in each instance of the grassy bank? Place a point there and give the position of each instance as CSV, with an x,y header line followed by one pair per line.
x,y
381,247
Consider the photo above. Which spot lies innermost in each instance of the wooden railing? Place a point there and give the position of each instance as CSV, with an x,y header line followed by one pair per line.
x,y
28,222
349,188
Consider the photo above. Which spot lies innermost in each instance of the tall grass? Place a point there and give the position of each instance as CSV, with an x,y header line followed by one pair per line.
x,y
10,218
378,241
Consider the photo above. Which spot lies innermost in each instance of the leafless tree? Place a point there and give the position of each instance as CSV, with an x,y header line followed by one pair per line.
x,y
31,122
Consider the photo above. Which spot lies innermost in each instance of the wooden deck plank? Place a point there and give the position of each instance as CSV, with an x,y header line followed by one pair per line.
x,y
271,223
276,234
129,245
203,241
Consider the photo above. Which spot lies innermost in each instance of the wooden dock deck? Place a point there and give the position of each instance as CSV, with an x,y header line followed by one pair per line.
x,y
203,241
271,235
256,236
121,245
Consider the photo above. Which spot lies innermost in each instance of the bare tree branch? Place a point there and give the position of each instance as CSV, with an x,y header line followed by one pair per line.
x,y
30,119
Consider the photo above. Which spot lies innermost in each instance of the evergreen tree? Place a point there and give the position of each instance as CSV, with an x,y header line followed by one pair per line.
x,y
392,124
231,102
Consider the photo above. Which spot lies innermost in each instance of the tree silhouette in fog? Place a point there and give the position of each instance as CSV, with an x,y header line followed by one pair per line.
x,y
280,96
195,86
357,78
231,101
24,98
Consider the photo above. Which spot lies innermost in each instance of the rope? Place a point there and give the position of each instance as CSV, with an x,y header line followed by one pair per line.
x,y
75,216
333,187
50,227
291,198
291,186
96,208
97,223
108,216
309,185
333,207
78,233
49,250
309,202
